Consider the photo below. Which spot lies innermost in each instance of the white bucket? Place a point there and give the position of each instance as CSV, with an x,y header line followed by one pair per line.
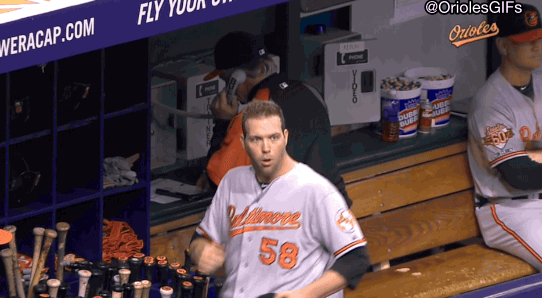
x,y
409,108
439,92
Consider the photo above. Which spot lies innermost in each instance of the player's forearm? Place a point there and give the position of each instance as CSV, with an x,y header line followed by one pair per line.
x,y
329,283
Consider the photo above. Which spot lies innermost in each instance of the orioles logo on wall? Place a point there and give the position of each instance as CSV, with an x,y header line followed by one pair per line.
x,y
346,221
531,18
498,136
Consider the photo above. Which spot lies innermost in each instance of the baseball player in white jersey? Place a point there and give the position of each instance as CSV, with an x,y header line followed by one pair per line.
x,y
282,229
504,118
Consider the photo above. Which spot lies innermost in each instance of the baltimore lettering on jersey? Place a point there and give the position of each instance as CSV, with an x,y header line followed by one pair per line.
x,y
240,223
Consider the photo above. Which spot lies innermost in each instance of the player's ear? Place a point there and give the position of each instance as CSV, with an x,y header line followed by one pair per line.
x,y
286,135
502,46
243,141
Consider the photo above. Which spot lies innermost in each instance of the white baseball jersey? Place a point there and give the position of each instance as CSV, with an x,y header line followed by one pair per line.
x,y
281,238
501,120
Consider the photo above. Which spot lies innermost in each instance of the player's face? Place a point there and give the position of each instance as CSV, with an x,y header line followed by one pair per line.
x,y
265,144
527,55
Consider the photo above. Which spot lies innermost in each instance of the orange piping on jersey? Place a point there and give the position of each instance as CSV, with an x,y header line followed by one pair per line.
x,y
246,229
231,153
340,251
509,231
513,154
205,234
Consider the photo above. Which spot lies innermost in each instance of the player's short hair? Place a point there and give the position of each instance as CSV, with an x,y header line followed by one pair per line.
x,y
262,108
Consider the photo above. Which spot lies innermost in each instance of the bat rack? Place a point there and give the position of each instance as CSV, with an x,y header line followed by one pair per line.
x,y
76,112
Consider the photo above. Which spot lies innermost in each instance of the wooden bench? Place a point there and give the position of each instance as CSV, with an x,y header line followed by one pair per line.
x,y
424,205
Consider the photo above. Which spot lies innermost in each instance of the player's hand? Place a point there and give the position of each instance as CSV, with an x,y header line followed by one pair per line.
x,y
221,109
212,257
534,150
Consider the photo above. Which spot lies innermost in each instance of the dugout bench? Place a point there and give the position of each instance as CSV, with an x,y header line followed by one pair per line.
x,y
423,204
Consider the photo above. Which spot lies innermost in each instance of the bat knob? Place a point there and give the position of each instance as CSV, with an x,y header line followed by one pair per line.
x,y
166,291
53,283
12,229
51,233
62,226
39,231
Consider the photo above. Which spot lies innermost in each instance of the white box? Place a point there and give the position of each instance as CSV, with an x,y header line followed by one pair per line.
x,y
351,82
163,123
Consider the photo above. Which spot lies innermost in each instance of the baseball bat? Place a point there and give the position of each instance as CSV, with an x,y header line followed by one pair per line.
x,y
63,290
84,277
7,256
38,239
166,292
50,235
146,288
124,276
187,289
95,283
135,268
206,282
117,292
62,230
128,289
109,279
13,246
199,283
149,268
162,273
187,260
53,285
182,276
123,262
138,289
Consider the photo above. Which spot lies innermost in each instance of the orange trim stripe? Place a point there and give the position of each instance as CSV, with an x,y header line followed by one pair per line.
x,y
254,229
509,231
340,251
513,154
204,233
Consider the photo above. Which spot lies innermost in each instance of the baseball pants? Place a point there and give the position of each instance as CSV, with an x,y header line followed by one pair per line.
x,y
514,226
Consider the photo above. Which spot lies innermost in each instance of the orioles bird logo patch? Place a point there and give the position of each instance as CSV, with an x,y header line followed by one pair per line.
x,y
498,136
346,221
531,18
